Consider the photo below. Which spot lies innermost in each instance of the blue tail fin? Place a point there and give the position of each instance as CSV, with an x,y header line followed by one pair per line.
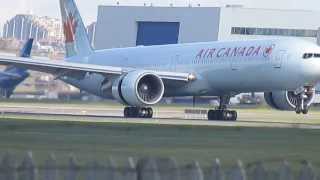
x,y
12,75
76,38
25,52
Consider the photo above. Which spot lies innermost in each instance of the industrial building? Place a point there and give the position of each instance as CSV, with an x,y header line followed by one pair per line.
x,y
127,26
25,26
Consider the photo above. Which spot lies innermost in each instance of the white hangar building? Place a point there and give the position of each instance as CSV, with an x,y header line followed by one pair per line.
x,y
127,26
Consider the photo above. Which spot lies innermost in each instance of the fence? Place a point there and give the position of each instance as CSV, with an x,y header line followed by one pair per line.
x,y
144,169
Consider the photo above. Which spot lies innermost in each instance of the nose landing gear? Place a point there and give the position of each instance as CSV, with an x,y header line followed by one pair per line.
x,y
303,96
221,113
302,106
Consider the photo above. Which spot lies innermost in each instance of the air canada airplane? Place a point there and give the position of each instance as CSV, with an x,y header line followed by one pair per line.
x,y
12,76
139,77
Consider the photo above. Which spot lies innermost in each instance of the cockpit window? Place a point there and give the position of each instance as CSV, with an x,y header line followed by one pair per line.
x,y
307,55
310,55
316,55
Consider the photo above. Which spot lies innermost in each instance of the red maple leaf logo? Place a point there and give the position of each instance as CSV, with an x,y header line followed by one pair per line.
x,y
268,51
69,28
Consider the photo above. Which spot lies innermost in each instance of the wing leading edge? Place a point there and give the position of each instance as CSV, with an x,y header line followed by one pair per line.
x,y
60,68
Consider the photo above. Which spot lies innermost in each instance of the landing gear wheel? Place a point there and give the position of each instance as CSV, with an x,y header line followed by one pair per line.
x,y
227,116
298,111
212,115
222,115
234,115
143,113
131,112
150,112
305,111
126,112
136,112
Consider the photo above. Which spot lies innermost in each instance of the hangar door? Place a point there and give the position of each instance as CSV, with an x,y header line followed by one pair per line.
x,y
157,33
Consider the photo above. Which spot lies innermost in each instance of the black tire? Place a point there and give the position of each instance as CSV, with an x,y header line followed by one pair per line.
x,y
134,112
305,111
225,115
212,115
126,112
150,112
145,113
234,115
142,113
219,115
131,112
222,115
298,111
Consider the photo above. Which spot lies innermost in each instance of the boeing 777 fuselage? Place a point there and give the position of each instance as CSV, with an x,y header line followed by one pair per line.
x,y
220,67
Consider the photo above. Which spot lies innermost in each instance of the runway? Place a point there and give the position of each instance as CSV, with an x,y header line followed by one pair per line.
x,y
162,116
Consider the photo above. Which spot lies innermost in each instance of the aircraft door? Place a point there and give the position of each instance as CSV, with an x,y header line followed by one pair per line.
x,y
174,62
278,58
235,63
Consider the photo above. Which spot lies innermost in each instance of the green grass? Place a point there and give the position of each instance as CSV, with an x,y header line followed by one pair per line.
x,y
90,141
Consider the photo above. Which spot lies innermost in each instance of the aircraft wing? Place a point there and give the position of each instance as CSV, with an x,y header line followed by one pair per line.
x,y
60,68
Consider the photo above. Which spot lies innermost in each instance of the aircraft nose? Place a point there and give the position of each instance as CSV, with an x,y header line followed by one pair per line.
x,y
311,68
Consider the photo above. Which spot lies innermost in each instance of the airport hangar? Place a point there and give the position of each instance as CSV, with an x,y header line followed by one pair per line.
x,y
127,26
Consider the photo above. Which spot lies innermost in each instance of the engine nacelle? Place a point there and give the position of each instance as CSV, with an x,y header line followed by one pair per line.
x,y
288,100
138,88
106,86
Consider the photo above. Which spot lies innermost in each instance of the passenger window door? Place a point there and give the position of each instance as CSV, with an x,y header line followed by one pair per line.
x,y
174,61
278,58
235,63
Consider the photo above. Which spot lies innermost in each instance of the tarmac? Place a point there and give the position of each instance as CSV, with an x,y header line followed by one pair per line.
x,y
163,116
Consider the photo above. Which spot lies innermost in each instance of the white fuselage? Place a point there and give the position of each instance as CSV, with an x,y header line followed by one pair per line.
x,y
220,67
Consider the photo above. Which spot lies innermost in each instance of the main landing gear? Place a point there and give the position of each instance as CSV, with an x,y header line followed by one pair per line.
x,y
138,112
302,104
221,113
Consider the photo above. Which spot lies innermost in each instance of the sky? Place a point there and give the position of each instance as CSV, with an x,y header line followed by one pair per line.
x,y
88,8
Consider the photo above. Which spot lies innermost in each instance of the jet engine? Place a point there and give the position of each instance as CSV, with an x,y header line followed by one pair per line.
x,y
138,88
290,100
